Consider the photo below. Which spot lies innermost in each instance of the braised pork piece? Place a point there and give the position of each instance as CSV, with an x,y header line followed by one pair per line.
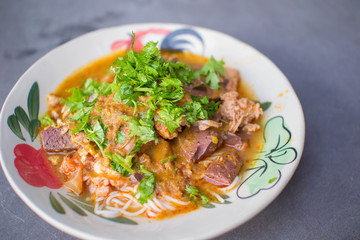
x,y
158,134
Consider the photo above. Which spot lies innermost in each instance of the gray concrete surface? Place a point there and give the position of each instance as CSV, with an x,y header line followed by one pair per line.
x,y
315,43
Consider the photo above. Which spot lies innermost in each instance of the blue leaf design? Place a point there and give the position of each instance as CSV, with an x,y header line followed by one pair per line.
x,y
172,41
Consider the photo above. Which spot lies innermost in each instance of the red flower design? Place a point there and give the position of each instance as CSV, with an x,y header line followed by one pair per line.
x,y
138,45
33,167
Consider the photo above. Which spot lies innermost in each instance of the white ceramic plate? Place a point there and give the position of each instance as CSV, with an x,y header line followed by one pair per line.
x,y
29,176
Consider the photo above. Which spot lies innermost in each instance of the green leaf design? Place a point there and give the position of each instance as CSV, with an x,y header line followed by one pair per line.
x,y
55,204
225,196
265,105
209,205
32,123
33,101
225,202
22,117
121,220
72,205
34,128
88,207
13,124
266,172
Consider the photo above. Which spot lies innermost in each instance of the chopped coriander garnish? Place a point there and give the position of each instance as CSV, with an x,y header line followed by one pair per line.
x,y
143,129
196,196
170,116
212,69
120,164
46,120
159,82
96,133
146,186
200,109
120,137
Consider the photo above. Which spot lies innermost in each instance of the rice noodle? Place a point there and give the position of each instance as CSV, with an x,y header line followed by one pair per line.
x,y
236,180
152,206
129,196
151,214
127,189
218,197
105,213
114,193
127,213
126,206
175,200
117,201
168,205
159,204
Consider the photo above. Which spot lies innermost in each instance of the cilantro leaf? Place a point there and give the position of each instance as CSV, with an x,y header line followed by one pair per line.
x,y
143,129
196,196
170,116
120,164
120,137
83,112
200,108
46,120
146,186
212,69
96,134
181,71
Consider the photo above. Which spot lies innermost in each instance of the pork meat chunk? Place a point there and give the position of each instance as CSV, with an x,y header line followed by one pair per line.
x,y
239,111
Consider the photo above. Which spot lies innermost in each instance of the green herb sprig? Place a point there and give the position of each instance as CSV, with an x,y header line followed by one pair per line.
x,y
146,186
196,196
121,164
212,69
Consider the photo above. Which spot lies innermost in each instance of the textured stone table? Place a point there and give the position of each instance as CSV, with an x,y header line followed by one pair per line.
x,y
315,43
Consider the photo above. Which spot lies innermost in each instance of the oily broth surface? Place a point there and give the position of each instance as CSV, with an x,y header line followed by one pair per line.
x,y
99,69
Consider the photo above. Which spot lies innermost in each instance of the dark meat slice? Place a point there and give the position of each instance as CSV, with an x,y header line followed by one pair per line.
x,y
197,144
55,140
235,141
222,171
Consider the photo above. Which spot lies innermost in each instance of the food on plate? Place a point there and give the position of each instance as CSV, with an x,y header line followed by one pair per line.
x,y
155,134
